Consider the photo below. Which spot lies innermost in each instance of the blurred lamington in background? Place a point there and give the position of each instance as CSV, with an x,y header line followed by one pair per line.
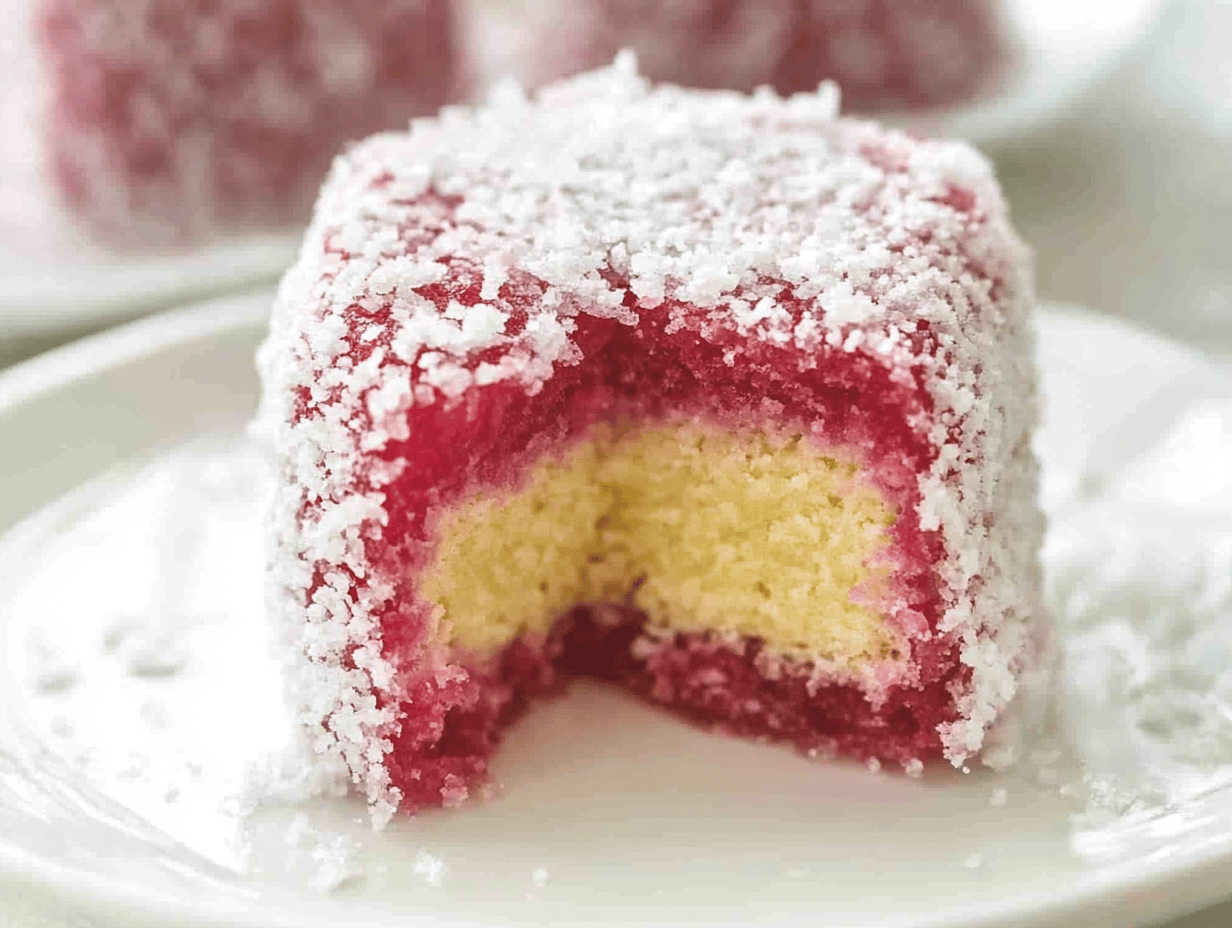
x,y
170,120
886,55
166,123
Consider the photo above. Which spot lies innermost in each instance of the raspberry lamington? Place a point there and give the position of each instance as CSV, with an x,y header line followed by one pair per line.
x,y
719,397
172,119
885,54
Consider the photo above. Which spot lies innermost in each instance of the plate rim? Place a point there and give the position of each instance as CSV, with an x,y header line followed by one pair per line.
x,y
91,354
1188,875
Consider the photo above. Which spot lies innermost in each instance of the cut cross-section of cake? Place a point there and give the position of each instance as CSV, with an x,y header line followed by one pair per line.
x,y
720,397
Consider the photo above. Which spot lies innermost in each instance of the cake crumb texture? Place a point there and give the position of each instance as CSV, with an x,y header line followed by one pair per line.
x,y
660,519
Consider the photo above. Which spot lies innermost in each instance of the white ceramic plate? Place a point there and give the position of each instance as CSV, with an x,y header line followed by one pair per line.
x,y
612,813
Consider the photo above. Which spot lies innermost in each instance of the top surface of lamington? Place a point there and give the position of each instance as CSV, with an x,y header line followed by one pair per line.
x,y
718,396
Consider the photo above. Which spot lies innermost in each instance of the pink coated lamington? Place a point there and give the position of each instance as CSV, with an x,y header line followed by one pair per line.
x,y
477,295
176,120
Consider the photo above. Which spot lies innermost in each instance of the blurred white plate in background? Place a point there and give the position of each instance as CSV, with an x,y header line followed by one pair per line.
x,y
59,287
